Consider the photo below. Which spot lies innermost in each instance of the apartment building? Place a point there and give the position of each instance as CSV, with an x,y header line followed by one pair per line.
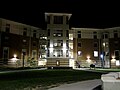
x,y
17,39
58,40
96,46
59,45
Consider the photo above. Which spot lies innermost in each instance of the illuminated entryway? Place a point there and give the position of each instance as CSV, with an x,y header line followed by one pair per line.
x,y
71,63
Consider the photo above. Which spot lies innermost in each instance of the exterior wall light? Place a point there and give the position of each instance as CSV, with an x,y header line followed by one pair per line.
x,y
113,59
14,55
88,59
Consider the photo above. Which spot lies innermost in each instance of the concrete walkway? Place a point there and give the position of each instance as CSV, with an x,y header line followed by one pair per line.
x,y
83,85
22,70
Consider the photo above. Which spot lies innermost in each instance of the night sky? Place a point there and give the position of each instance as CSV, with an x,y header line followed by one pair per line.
x,y
85,14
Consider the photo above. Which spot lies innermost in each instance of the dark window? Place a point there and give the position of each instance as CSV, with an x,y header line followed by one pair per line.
x,y
115,35
79,44
34,33
95,37
79,31
67,43
117,54
67,33
25,28
24,33
34,43
48,43
79,35
58,19
95,44
106,35
5,55
48,32
67,20
48,19
94,32
48,53
7,29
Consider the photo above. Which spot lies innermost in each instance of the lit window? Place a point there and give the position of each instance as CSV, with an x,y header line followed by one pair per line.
x,y
117,62
71,36
95,53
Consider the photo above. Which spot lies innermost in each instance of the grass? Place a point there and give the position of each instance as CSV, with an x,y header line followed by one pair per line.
x,y
43,78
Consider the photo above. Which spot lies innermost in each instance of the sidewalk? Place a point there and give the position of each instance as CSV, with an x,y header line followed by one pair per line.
x,y
83,85
9,71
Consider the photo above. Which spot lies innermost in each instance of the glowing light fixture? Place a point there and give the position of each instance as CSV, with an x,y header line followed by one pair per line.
x,y
88,59
15,55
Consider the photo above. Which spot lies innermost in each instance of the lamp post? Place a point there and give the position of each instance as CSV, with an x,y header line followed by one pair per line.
x,y
102,60
23,59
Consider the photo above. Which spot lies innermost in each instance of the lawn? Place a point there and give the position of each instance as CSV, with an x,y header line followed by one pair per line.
x,y
43,78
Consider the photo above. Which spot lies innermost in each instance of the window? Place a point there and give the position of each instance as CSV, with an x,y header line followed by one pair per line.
x,y
34,54
34,43
25,32
58,19
79,31
58,43
71,45
79,44
116,43
67,20
71,36
115,35
67,33
79,34
7,29
5,54
48,53
117,53
48,43
79,53
48,19
34,33
48,32
57,53
24,42
67,43
95,35
95,44
106,36
95,53
67,53
58,33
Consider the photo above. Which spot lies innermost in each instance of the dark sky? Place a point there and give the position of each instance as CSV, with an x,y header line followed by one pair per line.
x,y
85,14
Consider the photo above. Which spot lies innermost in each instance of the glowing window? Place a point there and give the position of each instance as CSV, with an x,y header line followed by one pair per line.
x,y
95,53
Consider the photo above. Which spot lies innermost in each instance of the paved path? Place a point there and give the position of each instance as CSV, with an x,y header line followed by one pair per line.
x,y
22,70
83,85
